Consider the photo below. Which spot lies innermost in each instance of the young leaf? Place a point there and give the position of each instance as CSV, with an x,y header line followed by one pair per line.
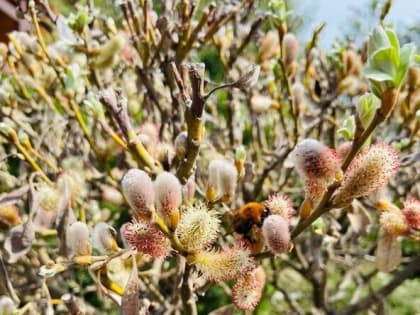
x,y
368,104
407,52
347,131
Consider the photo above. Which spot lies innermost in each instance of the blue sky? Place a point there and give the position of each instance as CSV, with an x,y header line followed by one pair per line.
x,y
339,15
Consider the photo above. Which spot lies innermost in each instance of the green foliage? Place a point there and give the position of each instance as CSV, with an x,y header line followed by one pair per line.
x,y
388,63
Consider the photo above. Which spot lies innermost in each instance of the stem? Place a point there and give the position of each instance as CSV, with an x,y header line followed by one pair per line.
x,y
187,294
13,136
194,120
31,6
83,126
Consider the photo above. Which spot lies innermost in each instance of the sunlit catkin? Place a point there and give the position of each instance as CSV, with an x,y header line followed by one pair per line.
x,y
222,265
198,227
369,171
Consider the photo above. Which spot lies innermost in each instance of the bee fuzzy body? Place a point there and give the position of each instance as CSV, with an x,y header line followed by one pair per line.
x,y
248,220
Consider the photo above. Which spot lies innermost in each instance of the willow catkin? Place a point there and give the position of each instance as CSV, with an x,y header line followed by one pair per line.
x,y
368,172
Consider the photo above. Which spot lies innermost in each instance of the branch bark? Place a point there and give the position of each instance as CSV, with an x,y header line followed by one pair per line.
x,y
194,119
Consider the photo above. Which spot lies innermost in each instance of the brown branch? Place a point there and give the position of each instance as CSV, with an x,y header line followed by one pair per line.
x,y
71,303
194,119
188,301
117,106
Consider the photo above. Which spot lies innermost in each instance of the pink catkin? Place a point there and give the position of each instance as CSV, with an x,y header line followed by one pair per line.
x,y
247,291
138,190
411,213
168,192
291,48
318,164
369,171
280,204
146,237
276,233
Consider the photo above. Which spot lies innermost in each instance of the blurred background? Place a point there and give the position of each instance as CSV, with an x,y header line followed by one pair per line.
x,y
349,17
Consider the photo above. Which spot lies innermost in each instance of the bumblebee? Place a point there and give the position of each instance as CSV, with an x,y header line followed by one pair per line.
x,y
248,220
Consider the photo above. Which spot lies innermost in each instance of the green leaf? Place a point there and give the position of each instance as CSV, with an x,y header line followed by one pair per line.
x,y
385,60
377,75
394,42
348,129
368,104
378,40
407,52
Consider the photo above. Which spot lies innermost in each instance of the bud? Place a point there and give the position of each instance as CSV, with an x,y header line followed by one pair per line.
x,y
137,188
276,233
393,223
103,239
369,171
198,227
181,143
146,238
291,48
7,181
222,181
413,78
78,21
352,86
298,94
261,103
247,291
269,47
6,129
240,157
9,214
223,265
168,198
151,131
411,213
281,205
111,195
94,105
343,149
7,306
352,62
78,239
188,191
